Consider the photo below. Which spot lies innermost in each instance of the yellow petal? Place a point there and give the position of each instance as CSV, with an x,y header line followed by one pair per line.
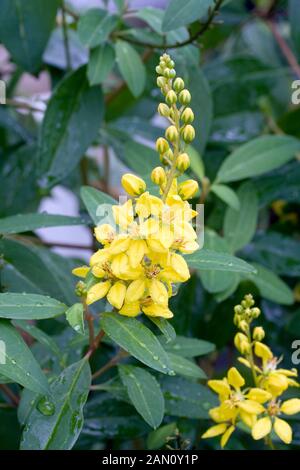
x,y
259,395
219,386
104,233
123,214
165,235
97,292
98,271
179,265
288,372
215,431
81,271
158,292
116,294
261,428
226,436
132,184
155,244
155,310
247,418
291,407
244,361
276,383
101,256
120,265
119,245
136,251
234,378
188,247
251,406
263,351
283,430
135,290
131,309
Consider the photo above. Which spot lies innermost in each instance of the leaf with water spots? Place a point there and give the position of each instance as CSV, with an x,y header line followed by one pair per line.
x,y
27,222
29,306
137,339
213,260
17,361
56,421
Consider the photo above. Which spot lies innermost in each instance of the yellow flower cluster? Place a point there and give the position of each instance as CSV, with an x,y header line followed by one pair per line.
x,y
260,406
140,259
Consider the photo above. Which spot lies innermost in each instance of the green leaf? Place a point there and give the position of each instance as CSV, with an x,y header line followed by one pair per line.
x,y
139,157
98,204
187,347
258,156
27,222
131,67
71,123
100,64
196,161
144,393
59,430
179,13
227,195
160,436
95,26
74,317
240,225
25,27
39,335
19,363
186,368
208,259
137,339
165,327
213,280
294,19
48,271
29,306
271,287
187,399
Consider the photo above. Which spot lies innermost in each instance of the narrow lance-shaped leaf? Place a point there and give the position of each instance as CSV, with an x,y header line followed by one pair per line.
x,y
98,205
100,64
27,222
208,259
131,67
180,13
29,306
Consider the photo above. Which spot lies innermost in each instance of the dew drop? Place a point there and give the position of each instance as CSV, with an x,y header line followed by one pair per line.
x,y
172,373
45,406
155,358
13,362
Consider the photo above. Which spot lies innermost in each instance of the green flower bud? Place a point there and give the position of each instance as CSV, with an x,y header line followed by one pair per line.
x,y
163,110
171,97
188,133
171,73
184,97
243,325
161,81
183,162
158,175
258,333
159,70
162,145
238,309
178,85
167,157
80,289
187,189
166,72
187,116
171,133
255,312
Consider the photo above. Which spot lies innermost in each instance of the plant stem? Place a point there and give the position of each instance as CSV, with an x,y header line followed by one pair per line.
x,y
10,394
95,344
111,363
176,145
251,357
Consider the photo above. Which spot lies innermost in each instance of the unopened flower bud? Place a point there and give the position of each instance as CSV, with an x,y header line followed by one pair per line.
x,y
159,70
258,333
171,73
161,81
158,175
187,116
184,97
187,189
236,319
162,145
133,185
167,157
163,110
171,133
241,343
166,72
178,85
171,97
183,162
238,309
243,325
80,289
188,134
255,312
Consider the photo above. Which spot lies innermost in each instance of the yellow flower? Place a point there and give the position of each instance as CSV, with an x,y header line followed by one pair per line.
x,y
81,271
97,292
133,185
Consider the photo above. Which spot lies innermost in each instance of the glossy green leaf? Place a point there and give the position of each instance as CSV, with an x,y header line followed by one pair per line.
x,y
187,399
74,317
196,162
100,64
160,436
19,363
95,26
144,393
71,123
131,67
208,259
227,195
38,334
271,287
179,13
187,347
29,306
25,27
139,157
258,156
185,367
56,421
165,327
98,204
27,222
137,339
240,225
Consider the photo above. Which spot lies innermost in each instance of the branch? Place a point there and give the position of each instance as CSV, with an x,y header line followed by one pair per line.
x,y
190,40
8,392
113,362
95,344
